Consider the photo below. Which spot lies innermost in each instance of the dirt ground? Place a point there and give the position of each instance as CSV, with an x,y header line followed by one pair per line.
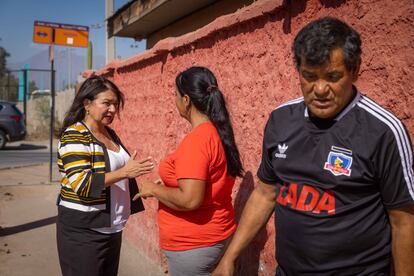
x,y
27,228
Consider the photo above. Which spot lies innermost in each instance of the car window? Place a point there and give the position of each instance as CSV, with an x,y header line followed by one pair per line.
x,y
1,107
17,110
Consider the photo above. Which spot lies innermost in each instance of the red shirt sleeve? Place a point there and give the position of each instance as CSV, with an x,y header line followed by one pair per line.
x,y
192,156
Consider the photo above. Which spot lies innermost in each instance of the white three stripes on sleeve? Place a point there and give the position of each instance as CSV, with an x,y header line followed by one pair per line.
x,y
294,101
401,137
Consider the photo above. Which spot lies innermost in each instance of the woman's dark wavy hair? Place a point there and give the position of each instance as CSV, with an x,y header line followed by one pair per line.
x,y
316,40
201,86
89,89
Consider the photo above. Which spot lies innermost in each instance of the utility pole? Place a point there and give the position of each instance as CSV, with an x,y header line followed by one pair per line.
x,y
52,108
70,68
110,42
25,96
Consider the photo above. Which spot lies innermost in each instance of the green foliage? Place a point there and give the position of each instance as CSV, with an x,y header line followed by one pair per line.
x,y
9,88
9,83
3,55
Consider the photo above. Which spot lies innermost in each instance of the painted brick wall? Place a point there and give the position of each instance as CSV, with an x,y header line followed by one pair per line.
x,y
249,51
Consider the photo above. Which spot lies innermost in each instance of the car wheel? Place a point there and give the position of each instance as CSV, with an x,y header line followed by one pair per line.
x,y
2,139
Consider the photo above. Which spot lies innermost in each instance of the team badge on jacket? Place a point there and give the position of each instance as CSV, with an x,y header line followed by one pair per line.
x,y
339,161
282,149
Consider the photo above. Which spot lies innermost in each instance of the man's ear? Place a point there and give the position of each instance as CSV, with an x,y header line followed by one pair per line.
x,y
355,74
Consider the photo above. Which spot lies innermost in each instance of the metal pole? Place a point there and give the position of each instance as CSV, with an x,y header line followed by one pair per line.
x,y
70,68
52,111
25,96
8,98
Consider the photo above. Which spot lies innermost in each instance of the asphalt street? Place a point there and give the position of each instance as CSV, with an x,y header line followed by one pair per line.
x,y
26,153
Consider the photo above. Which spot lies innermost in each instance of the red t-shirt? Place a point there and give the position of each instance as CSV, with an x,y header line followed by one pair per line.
x,y
199,156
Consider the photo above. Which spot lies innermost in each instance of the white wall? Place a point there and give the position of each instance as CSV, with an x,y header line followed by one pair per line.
x,y
38,113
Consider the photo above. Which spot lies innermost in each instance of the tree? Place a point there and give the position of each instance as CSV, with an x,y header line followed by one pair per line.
x,y
5,80
3,55
9,84
9,88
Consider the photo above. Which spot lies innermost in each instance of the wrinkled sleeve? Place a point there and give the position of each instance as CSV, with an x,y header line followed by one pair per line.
x,y
193,160
74,160
394,166
266,172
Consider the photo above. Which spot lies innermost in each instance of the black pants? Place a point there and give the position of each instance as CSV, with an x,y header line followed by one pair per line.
x,y
84,252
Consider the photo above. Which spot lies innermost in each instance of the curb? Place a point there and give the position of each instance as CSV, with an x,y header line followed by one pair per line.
x,y
23,166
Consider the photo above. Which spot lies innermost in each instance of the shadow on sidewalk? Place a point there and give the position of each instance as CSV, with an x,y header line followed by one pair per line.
x,y
27,226
24,147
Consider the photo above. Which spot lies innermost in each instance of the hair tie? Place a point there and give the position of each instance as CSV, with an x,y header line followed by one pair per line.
x,y
210,88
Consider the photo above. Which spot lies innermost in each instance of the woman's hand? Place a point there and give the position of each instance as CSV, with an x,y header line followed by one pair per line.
x,y
147,188
224,269
188,196
134,168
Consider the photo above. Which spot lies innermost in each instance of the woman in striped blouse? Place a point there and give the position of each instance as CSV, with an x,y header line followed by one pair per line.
x,y
97,184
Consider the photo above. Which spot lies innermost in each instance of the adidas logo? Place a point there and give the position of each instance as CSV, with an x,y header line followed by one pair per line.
x,y
282,149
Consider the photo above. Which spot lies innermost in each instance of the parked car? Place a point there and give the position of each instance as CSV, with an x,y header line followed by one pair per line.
x,y
12,127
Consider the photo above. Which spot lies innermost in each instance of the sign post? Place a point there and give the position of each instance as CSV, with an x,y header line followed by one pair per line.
x,y
59,34
52,106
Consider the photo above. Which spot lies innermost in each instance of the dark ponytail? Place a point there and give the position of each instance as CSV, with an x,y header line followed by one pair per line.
x,y
89,89
201,86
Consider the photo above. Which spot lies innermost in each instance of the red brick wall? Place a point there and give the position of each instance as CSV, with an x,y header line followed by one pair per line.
x,y
249,52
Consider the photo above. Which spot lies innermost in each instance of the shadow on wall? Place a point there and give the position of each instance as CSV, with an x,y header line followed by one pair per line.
x,y
133,67
292,8
249,262
332,3
286,12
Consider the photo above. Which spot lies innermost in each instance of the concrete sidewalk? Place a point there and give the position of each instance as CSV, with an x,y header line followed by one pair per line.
x,y
27,227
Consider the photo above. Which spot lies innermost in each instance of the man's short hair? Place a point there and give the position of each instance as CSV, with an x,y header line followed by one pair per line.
x,y
316,40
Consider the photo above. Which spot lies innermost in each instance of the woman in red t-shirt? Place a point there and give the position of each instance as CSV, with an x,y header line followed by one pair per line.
x,y
196,216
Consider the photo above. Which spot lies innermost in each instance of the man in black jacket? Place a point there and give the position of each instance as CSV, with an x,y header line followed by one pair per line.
x,y
336,167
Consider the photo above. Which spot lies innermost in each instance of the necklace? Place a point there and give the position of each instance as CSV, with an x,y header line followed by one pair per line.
x,y
102,138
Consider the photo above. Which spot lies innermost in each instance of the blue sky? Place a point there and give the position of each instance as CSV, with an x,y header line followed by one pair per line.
x,y
17,17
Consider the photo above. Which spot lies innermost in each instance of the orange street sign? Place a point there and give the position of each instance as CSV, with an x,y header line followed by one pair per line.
x,y
42,34
61,34
71,37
